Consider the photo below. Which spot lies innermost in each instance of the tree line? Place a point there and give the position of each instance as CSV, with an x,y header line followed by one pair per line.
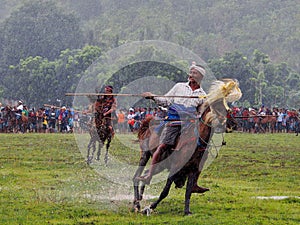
x,y
46,48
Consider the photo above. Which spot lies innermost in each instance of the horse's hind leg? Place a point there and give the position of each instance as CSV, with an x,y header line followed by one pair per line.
x,y
89,157
99,151
93,146
106,153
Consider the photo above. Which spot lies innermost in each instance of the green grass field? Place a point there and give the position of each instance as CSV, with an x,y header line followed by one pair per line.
x,y
44,180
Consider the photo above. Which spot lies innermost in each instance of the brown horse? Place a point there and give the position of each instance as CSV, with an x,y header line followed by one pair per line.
x,y
186,162
269,122
263,123
101,133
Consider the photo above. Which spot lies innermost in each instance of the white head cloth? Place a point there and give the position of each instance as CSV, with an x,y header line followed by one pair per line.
x,y
198,68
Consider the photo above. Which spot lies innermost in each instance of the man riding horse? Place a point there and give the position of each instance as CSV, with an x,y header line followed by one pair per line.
x,y
104,107
170,134
102,131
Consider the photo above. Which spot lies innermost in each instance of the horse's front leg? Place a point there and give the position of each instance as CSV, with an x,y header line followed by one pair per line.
x,y
88,157
162,196
106,153
138,194
192,179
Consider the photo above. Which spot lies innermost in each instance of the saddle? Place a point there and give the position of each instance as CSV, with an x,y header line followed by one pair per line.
x,y
155,132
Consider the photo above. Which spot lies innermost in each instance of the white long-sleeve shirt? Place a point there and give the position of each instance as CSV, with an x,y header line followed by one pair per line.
x,y
182,89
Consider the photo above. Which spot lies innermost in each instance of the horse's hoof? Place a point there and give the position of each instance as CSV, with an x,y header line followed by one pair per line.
x,y
188,213
136,208
197,189
147,211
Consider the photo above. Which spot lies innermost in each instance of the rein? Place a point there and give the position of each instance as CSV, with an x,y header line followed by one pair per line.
x,y
205,142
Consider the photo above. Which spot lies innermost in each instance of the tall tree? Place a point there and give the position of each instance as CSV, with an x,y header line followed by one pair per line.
x,y
37,80
259,80
235,65
39,28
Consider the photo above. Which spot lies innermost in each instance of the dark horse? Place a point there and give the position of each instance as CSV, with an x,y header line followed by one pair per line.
x,y
186,162
101,133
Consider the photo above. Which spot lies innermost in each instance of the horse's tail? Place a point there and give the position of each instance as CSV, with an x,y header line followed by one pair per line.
x,y
145,124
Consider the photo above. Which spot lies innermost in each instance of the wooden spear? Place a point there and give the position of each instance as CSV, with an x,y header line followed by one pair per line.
x,y
130,95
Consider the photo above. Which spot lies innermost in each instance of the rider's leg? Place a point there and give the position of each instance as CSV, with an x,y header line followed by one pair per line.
x,y
155,159
168,140
110,127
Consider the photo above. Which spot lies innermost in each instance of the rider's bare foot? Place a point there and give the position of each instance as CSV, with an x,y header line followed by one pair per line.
x,y
197,189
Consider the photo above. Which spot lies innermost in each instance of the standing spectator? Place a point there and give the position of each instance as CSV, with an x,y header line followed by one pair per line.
x,y
245,116
39,117
143,113
279,120
52,120
275,113
63,117
284,123
76,122
121,121
130,119
137,119
45,123
70,125
32,120
24,119
251,123
20,106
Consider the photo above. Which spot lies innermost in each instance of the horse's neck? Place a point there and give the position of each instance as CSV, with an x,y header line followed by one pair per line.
x,y
205,120
205,113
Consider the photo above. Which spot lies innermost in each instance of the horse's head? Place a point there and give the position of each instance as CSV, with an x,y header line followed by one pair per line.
x,y
220,93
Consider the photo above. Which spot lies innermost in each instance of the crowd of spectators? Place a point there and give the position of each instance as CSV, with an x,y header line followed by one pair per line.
x,y
67,120
20,118
265,119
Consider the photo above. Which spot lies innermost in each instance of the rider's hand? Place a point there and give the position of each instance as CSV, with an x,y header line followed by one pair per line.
x,y
147,95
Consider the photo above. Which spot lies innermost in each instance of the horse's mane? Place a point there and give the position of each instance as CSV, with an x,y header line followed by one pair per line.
x,y
225,90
